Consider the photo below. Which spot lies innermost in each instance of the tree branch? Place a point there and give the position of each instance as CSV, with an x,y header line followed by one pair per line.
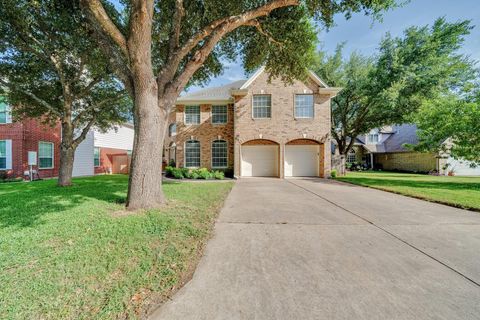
x,y
176,26
33,96
103,21
258,25
214,32
85,131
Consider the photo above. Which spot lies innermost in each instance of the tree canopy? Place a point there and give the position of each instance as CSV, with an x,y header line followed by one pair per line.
x,y
52,70
388,87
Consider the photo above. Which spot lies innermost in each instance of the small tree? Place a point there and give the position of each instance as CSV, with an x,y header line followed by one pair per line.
x,y
389,87
159,47
55,72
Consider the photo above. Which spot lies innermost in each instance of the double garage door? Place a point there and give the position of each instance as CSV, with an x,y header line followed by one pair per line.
x,y
262,161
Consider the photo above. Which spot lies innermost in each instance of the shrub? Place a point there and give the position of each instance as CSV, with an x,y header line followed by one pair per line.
x,y
177,173
333,173
203,173
219,175
172,163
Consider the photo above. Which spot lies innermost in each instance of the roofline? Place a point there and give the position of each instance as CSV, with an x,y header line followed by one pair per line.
x,y
203,101
311,74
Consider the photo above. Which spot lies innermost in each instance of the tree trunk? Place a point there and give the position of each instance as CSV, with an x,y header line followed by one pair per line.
x,y
145,187
67,154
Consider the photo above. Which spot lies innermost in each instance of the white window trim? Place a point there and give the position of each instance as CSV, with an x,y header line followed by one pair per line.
x,y
211,154
185,115
53,156
8,151
211,114
99,157
295,105
271,106
185,154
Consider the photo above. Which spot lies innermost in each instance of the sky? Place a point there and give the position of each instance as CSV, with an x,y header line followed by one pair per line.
x,y
363,35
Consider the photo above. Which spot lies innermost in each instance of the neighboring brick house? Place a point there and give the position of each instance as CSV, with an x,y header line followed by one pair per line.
x,y
254,127
99,153
385,148
17,138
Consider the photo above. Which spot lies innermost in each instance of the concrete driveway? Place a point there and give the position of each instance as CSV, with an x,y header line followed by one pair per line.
x,y
316,249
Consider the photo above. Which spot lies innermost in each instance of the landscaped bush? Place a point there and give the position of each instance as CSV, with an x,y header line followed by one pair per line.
x,y
185,173
333,173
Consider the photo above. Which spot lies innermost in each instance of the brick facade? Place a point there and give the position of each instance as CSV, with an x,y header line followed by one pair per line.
x,y
283,127
205,133
113,161
407,161
25,136
241,129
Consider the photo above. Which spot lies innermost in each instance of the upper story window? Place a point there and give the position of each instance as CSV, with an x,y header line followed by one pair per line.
x,y
192,154
5,116
262,106
304,106
192,115
172,130
372,137
45,155
96,157
219,154
219,114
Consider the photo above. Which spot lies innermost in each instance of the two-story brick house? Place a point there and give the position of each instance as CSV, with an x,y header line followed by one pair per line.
x,y
255,127
100,152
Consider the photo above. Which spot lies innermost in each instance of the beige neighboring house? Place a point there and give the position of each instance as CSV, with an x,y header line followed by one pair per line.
x,y
385,149
254,128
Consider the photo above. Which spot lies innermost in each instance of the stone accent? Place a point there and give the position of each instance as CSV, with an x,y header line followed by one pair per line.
x,y
283,127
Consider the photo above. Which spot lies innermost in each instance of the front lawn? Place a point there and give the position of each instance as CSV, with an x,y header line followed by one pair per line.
x,y
73,253
457,191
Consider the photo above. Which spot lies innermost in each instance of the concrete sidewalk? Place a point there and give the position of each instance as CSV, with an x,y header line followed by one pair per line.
x,y
316,249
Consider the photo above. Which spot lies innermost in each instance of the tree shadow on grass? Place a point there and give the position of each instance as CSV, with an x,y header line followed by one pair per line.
x,y
23,204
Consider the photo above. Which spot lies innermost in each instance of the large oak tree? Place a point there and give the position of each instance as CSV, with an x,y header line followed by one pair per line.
x,y
157,48
53,71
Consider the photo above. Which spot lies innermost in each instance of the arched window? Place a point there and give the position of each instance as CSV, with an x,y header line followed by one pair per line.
x,y
351,156
192,154
172,129
219,154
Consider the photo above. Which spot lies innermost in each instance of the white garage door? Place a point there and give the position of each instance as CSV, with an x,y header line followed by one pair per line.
x,y
301,160
260,161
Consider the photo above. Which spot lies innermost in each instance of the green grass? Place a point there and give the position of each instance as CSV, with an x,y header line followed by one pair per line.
x,y
72,253
461,192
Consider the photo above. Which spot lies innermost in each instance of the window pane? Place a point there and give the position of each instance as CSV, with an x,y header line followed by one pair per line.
x,y
304,106
3,106
3,148
192,154
219,154
172,129
262,106
46,163
219,114
192,114
3,154
45,155
3,112
3,117
96,157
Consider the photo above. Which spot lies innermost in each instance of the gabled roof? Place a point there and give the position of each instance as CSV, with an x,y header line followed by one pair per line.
x,y
311,74
399,135
224,94
221,94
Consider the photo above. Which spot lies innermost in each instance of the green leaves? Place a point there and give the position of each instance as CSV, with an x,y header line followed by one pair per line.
x,y
389,87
